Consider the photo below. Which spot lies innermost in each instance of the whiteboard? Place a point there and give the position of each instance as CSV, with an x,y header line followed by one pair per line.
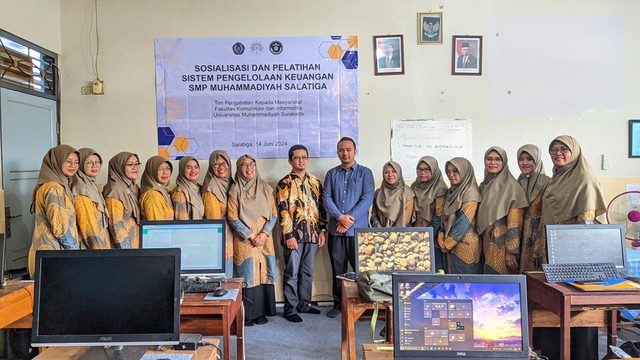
x,y
442,139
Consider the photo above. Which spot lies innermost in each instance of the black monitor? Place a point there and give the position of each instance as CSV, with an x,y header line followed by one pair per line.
x,y
202,243
106,297
575,244
460,316
395,249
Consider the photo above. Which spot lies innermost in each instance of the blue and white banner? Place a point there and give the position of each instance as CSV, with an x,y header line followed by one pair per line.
x,y
256,96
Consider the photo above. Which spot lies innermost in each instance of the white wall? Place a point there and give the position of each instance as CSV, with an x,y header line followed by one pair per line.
x,y
37,21
125,118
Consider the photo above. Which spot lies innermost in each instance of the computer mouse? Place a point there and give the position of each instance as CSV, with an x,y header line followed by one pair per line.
x,y
220,292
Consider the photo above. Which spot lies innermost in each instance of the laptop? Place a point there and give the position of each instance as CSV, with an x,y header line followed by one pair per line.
x,y
460,316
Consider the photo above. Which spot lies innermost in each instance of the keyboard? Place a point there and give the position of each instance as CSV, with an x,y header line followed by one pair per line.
x,y
198,287
588,271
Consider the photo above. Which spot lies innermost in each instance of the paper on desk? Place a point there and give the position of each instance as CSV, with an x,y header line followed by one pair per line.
x,y
166,356
231,295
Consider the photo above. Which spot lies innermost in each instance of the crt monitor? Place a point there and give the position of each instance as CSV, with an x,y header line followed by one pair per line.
x,y
574,244
395,249
106,297
202,243
460,316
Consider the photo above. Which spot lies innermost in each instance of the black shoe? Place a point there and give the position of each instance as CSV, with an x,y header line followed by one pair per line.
x,y
334,313
294,318
311,310
261,320
249,323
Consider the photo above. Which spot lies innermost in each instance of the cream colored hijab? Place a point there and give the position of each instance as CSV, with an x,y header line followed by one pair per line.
x,y
428,191
150,179
501,192
254,196
120,187
191,189
573,189
466,190
212,183
391,199
533,182
85,185
51,170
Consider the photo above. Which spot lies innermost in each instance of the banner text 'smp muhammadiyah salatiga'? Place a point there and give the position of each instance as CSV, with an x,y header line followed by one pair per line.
x,y
256,96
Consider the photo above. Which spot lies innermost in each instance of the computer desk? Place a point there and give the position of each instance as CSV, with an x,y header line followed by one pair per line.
x,y
73,352
215,318
16,304
574,308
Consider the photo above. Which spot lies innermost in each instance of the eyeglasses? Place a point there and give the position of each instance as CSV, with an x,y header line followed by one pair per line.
x,y
498,159
164,168
224,164
94,163
560,150
72,163
449,172
296,158
423,170
245,165
134,165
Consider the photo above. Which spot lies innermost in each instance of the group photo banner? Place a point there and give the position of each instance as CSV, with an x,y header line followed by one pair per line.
x,y
256,96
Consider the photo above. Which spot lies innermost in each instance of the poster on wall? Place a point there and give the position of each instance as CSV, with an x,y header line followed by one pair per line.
x,y
442,139
256,96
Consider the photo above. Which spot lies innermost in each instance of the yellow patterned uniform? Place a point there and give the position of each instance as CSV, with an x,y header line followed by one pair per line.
x,y
501,238
181,208
301,208
91,227
122,226
154,207
214,209
435,222
436,210
256,264
378,219
55,225
464,255
533,239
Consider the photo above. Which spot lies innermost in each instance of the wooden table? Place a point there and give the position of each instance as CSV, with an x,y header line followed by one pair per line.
x,y
377,352
16,304
215,318
353,306
575,308
72,353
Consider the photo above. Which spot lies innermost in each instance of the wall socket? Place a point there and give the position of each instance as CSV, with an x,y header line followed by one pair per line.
x,y
86,90
605,161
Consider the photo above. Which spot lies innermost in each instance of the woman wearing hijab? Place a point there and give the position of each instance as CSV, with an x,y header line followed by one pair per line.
x,y
52,204
532,179
430,191
500,214
155,202
91,210
252,213
186,198
121,196
393,201
458,237
215,189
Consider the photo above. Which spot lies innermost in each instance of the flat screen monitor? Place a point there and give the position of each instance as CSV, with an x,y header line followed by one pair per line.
x,y
575,244
202,243
460,316
107,297
395,249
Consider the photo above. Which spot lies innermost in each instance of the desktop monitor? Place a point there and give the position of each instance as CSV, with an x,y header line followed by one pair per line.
x,y
460,316
202,243
574,244
395,249
106,297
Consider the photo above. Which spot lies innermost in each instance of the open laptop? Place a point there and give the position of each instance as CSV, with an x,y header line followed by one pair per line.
x,y
460,316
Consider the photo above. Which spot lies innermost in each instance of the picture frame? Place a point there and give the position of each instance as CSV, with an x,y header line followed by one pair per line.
x,y
430,28
388,54
634,138
466,56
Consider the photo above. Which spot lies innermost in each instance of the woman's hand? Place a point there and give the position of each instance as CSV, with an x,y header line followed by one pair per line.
x,y
510,261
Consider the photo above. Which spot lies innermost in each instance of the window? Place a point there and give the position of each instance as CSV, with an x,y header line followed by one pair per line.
x,y
27,67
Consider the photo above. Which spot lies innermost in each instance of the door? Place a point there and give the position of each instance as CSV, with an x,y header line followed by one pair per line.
x,y
28,131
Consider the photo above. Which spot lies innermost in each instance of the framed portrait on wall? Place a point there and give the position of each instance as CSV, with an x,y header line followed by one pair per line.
x,y
429,28
388,54
466,58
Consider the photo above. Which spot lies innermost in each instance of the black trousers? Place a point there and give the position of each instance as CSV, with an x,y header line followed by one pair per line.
x,y
342,252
